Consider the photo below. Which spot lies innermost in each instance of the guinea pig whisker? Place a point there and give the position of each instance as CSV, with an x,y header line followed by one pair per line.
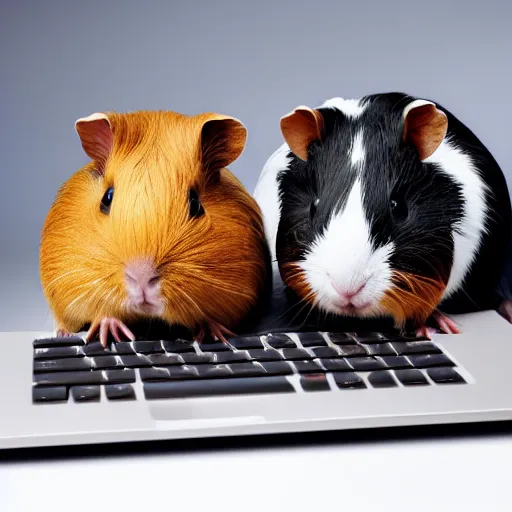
x,y
76,299
307,315
193,302
64,275
305,302
304,299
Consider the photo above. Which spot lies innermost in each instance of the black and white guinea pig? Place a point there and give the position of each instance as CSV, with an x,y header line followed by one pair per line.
x,y
388,206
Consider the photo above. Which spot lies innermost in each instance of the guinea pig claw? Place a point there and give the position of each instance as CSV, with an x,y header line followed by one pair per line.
x,y
106,325
217,331
425,332
62,333
445,323
505,310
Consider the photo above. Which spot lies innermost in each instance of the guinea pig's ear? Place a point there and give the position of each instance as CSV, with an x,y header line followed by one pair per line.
x,y
223,139
302,127
95,133
425,126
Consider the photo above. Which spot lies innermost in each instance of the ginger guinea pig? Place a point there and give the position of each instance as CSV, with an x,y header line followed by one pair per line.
x,y
154,226
388,205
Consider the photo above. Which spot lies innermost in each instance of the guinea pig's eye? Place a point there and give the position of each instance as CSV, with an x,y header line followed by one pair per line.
x,y
313,207
398,208
195,207
106,200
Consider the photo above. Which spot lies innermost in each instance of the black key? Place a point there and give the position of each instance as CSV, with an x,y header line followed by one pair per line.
x,y
211,371
348,380
47,394
325,352
246,369
136,361
280,341
154,374
382,380
333,365
148,347
95,348
178,346
90,377
244,342
119,376
214,347
411,377
445,376
61,378
61,341
193,358
415,347
370,337
120,392
381,349
341,338
277,368
57,352
428,360
182,372
213,387
63,365
352,350
265,355
85,393
165,359
396,362
366,363
308,367
296,353
314,382
231,357
104,362
311,339
123,347
410,336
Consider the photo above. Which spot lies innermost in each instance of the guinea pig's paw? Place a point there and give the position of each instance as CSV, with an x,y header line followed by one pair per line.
x,y
105,325
425,332
505,310
445,324
216,330
62,333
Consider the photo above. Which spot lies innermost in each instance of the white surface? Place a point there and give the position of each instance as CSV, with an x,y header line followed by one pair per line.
x,y
444,475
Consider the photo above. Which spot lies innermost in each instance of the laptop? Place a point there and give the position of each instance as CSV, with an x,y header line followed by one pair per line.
x,y
287,372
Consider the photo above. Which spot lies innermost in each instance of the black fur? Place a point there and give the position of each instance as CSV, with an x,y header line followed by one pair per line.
x,y
428,204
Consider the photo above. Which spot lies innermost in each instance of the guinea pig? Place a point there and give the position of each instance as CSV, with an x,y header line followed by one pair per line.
x,y
388,206
154,226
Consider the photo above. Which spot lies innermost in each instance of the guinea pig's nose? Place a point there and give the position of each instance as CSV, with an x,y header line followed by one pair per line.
x,y
141,273
347,294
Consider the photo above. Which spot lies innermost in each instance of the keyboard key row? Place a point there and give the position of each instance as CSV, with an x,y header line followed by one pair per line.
x,y
159,385
180,364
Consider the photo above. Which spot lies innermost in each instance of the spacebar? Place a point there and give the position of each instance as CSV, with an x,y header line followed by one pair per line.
x,y
211,387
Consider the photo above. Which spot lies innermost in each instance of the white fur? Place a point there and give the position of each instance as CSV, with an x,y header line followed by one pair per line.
x,y
93,117
357,153
346,240
350,107
462,170
415,104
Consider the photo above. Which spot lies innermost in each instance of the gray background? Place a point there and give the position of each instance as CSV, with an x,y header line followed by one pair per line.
x,y
255,60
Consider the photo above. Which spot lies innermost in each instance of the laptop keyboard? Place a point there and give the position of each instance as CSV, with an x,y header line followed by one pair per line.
x,y
68,369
